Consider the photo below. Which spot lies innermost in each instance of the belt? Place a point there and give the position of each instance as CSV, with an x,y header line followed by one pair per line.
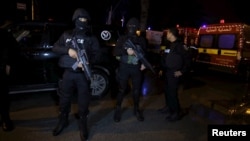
x,y
78,70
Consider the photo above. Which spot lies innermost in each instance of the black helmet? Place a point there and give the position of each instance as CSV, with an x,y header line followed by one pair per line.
x,y
133,21
80,12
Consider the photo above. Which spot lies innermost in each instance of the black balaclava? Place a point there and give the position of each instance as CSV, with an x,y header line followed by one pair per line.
x,y
81,13
132,26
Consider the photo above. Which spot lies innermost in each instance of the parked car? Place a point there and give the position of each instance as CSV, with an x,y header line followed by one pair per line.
x,y
107,36
36,68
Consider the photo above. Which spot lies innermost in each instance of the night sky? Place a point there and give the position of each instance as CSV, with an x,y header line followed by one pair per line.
x,y
197,12
161,14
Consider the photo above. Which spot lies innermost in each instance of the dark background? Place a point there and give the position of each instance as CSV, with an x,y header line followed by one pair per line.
x,y
161,14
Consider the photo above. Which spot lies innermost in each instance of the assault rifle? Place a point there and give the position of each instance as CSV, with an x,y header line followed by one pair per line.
x,y
139,55
81,58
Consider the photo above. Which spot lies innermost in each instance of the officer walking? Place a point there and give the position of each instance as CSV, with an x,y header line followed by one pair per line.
x,y
75,80
129,67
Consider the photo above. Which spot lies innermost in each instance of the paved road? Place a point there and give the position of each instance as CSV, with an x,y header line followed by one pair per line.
x,y
35,115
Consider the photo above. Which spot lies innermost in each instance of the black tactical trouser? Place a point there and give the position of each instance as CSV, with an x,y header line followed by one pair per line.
x,y
75,82
125,72
171,92
4,97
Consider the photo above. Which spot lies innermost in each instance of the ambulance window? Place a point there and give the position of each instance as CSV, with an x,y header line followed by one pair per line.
x,y
226,41
206,41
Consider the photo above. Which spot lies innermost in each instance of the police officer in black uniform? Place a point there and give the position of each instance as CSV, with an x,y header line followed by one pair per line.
x,y
7,53
129,67
74,80
175,63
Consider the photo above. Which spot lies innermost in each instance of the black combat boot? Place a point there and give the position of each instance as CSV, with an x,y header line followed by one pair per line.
x,y
62,123
83,128
117,115
138,113
6,122
164,110
174,117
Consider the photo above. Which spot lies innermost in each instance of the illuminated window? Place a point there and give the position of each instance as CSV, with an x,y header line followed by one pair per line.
x,y
226,41
206,41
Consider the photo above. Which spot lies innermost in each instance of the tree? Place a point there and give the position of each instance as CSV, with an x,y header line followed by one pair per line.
x,y
144,14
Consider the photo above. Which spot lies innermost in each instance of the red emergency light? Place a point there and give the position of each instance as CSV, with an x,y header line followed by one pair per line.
x,y
222,21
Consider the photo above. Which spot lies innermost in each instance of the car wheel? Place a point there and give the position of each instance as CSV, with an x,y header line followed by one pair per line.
x,y
99,83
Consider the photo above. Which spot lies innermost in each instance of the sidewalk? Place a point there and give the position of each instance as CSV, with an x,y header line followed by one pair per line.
x,y
221,103
36,116
37,122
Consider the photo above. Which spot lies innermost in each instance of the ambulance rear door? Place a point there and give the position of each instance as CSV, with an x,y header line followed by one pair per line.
x,y
218,46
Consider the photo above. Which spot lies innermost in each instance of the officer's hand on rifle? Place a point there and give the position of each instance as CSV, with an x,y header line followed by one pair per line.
x,y
7,69
142,67
80,65
130,51
160,73
177,73
72,53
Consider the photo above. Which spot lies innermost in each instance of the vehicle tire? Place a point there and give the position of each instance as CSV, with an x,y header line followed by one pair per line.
x,y
100,83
